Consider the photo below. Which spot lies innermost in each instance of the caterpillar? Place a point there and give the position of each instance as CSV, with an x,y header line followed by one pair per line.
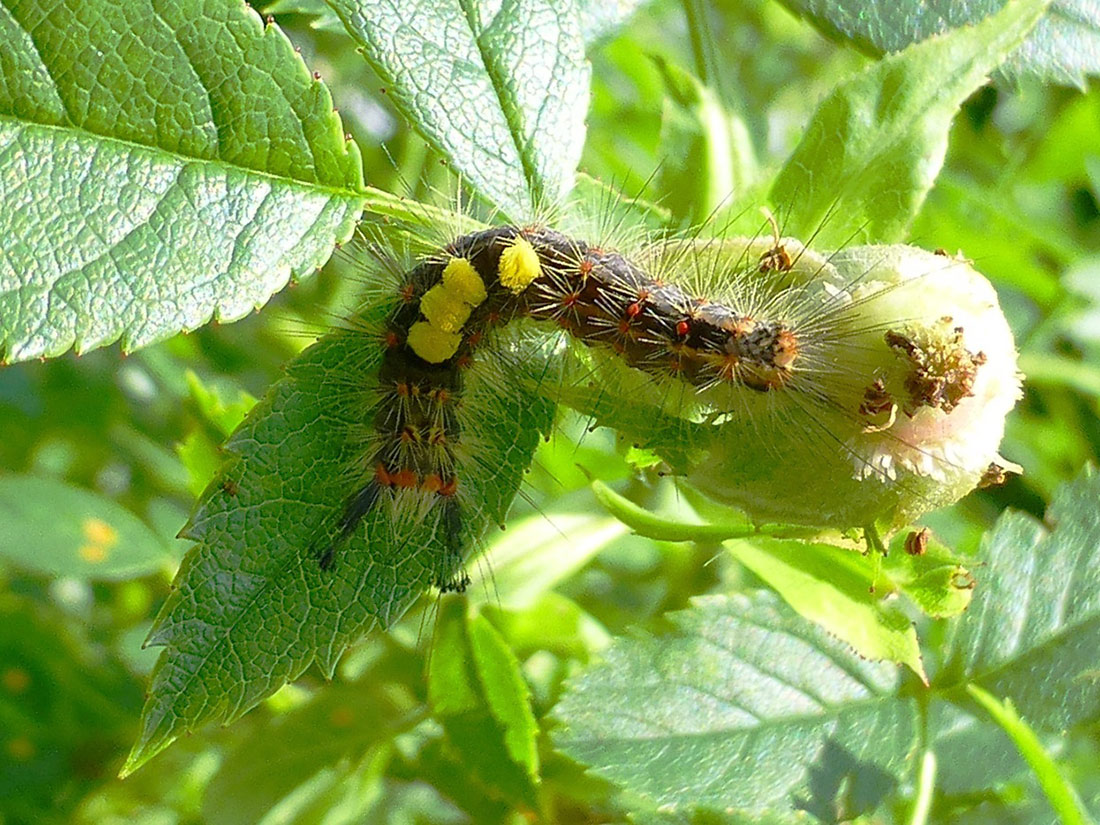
x,y
831,391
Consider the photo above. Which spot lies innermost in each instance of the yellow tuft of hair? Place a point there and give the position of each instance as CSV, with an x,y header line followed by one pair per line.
x,y
519,265
432,344
462,281
444,309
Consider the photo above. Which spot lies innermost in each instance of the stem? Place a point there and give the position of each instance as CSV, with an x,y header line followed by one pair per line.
x,y
877,549
926,785
1061,795
695,12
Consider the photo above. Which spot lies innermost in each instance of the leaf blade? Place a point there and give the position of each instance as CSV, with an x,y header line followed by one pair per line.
x,y
251,609
1059,792
478,694
835,588
876,143
744,702
1032,629
53,528
1063,48
441,62
226,169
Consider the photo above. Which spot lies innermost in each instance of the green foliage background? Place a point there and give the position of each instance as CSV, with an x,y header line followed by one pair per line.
x,y
631,666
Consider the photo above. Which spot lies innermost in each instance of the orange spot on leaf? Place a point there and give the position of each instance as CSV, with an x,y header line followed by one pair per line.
x,y
21,748
93,553
98,531
15,680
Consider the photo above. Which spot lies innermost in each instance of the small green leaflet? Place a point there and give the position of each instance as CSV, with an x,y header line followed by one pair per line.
x,y
1063,48
161,164
744,706
50,527
502,94
251,609
478,694
876,143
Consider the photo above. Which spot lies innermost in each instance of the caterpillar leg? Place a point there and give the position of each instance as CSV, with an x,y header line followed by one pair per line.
x,y
450,526
355,510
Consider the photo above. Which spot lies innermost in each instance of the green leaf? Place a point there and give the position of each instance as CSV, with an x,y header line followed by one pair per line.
x,y
201,457
705,153
538,552
554,623
251,608
876,143
342,722
1033,629
50,527
981,756
1061,795
501,94
1063,48
477,692
162,162
835,588
200,451
600,19
226,416
745,706
1015,248
936,579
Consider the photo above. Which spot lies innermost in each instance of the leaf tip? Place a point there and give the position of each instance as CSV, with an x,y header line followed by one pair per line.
x,y
142,751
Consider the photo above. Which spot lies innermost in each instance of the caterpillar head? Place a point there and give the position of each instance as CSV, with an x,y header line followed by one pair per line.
x,y
897,403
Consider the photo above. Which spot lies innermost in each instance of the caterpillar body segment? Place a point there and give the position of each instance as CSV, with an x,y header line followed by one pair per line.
x,y
451,303
798,387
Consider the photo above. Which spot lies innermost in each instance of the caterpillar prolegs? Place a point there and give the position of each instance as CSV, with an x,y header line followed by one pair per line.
x,y
869,385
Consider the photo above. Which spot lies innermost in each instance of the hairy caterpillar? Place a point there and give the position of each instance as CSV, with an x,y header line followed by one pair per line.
x,y
869,385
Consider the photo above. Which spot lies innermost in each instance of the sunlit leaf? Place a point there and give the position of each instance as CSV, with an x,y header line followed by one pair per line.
x,y
744,706
477,692
876,143
499,89
161,164
1033,629
1063,48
